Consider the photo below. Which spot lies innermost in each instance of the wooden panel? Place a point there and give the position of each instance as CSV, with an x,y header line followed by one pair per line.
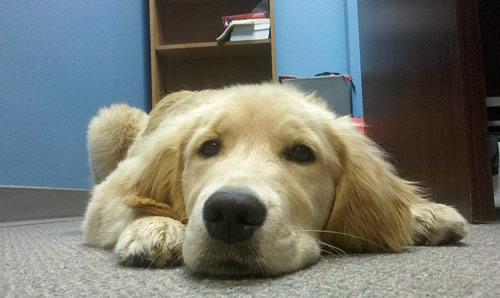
x,y
273,43
215,49
212,72
422,97
475,113
154,42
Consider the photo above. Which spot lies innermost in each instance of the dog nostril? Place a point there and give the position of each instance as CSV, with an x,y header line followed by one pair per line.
x,y
233,215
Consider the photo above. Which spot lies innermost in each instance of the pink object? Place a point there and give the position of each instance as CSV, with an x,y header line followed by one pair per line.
x,y
361,123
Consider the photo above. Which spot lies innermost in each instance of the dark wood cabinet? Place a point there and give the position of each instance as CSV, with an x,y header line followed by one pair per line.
x,y
424,96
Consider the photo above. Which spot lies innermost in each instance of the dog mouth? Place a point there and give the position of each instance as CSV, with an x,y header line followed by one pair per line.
x,y
220,259
235,265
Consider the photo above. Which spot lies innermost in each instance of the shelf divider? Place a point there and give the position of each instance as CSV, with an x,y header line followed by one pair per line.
x,y
200,50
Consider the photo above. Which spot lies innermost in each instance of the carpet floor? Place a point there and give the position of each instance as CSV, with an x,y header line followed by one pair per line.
x,y
49,259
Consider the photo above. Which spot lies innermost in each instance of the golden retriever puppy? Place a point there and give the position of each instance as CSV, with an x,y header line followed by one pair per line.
x,y
248,180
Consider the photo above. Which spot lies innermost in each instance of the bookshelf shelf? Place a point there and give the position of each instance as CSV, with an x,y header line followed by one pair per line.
x,y
185,55
214,49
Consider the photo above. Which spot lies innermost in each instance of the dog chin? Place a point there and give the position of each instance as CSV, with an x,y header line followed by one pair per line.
x,y
205,256
227,260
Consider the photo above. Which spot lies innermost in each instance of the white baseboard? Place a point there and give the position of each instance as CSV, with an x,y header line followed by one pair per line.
x,y
33,203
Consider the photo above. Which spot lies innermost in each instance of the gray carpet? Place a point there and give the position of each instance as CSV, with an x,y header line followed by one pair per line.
x,y
49,259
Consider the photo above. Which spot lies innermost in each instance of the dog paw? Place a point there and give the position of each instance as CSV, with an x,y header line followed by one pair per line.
x,y
437,224
153,241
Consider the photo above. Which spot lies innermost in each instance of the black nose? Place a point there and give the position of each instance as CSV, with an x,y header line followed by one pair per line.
x,y
233,215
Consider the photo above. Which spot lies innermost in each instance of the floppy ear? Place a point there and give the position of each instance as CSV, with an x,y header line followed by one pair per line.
x,y
155,183
153,179
371,205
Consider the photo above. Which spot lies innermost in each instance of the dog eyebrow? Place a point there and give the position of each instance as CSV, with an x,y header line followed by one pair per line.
x,y
303,136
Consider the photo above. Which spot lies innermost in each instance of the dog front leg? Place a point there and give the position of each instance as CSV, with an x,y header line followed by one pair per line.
x,y
436,224
124,221
151,241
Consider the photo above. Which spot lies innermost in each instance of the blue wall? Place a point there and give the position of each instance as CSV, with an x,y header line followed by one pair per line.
x,y
316,36
59,62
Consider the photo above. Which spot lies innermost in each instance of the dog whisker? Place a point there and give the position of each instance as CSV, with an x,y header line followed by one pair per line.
x,y
199,254
349,235
328,252
259,263
163,251
176,260
154,259
336,249
261,267
178,253
311,249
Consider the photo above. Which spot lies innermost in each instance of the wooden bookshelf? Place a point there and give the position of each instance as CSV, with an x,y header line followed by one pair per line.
x,y
185,55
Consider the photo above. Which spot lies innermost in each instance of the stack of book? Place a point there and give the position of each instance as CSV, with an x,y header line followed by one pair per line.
x,y
251,26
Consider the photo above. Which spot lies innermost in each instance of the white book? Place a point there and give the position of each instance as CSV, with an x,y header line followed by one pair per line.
x,y
242,34
252,29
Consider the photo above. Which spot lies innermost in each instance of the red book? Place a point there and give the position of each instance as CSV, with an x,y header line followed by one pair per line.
x,y
226,20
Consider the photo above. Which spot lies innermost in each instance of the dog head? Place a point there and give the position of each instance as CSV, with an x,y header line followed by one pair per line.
x,y
261,172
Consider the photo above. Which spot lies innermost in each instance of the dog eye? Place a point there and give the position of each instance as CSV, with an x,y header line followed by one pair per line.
x,y
300,153
209,148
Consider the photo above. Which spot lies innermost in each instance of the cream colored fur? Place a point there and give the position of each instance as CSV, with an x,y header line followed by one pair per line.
x,y
349,198
110,135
